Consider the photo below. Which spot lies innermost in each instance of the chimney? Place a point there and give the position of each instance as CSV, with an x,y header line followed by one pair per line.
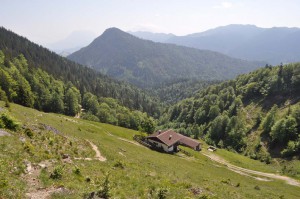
x,y
170,137
159,131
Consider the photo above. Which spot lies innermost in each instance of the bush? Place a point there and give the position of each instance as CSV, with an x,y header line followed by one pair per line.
x,y
291,149
3,183
29,133
89,116
8,122
77,171
57,173
104,192
28,147
257,187
162,193
119,164
284,130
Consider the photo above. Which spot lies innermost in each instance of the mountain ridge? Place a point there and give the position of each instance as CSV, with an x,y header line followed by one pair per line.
x,y
273,45
146,63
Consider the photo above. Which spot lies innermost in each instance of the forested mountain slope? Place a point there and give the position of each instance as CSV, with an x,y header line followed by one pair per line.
x,y
174,91
146,63
83,78
257,114
32,87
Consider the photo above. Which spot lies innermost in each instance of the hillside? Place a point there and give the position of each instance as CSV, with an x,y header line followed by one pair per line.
x,y
35,88
174,91
83,78
145,63
64,157
273,45
256,114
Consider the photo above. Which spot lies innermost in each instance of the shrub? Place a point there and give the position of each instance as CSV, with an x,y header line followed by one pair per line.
x,y
291,149
29,133
57,173
77,171
151,190
3,183
162,193
9,123
88,179
28,147
104,192
119,164
257,187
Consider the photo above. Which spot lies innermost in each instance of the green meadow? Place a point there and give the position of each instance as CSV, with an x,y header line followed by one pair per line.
x,y
133,171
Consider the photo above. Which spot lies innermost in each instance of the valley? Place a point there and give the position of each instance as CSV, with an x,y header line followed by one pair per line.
x,y
114,113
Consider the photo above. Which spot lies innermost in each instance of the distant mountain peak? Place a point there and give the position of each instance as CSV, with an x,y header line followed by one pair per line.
x,y
111,34
146,63
112,30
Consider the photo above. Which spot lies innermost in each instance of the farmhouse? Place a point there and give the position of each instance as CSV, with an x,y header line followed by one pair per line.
x,y
169,141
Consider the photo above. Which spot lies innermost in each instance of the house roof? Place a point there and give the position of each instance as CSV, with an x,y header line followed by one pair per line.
x,y
189,142
170,137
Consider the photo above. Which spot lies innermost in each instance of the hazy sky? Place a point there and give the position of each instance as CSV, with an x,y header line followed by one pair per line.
x,y
46,21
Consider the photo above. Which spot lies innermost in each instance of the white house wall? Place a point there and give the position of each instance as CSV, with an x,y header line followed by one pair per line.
x,y
160,145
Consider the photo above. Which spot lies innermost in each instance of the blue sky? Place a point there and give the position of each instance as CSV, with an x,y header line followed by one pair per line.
x,y
46,21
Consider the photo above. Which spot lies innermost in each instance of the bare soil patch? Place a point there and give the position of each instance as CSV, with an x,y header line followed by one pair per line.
x,y
4,133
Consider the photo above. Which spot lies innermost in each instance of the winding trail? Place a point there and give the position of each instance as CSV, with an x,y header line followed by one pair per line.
x,y
98,154
36,191
129,141
125,140
248,172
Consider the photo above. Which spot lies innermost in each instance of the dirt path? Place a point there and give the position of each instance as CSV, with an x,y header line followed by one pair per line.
x,y
42,193
131,142
36,191
248,172
125,140
98,154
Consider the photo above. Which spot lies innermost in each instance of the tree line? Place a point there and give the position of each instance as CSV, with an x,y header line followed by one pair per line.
x,y
35,88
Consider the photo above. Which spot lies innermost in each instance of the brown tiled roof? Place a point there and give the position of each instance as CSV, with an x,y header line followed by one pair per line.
x,y
189,142
170,137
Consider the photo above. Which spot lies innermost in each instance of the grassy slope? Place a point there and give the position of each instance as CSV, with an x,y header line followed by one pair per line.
x,y
143,169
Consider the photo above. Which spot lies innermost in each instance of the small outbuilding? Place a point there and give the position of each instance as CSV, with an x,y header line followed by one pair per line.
x,y
170,140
